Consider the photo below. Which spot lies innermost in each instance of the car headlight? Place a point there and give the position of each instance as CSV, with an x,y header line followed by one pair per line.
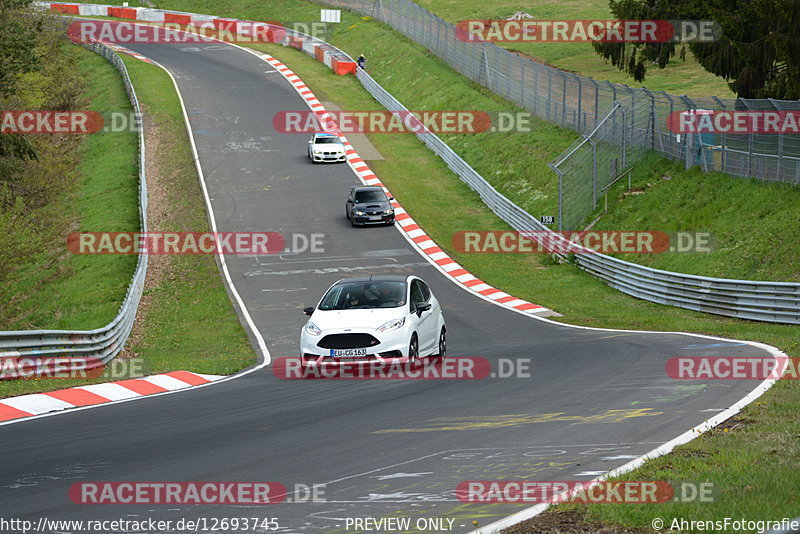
x,y
394,324
388,211
312,329
358,212
317,150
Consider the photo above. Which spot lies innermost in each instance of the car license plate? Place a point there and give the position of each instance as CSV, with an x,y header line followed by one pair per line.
x,y
348,353
374,217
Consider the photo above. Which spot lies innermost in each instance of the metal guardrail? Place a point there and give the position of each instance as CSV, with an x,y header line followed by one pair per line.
x,y
86,349
576,102
755,300
777,302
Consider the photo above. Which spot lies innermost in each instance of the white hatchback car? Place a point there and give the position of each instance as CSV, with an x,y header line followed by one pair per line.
x,y
374,319
324,147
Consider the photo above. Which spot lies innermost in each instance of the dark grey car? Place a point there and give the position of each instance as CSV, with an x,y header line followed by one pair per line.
x,y
368,204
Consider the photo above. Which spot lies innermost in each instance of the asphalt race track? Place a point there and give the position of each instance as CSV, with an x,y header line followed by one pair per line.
x,y
593,400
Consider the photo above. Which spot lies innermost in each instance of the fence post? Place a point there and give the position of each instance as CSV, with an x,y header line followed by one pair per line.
x,y
723,141
780,143
580,105
594,173
563,98
688,139
485,65
624,158
560,195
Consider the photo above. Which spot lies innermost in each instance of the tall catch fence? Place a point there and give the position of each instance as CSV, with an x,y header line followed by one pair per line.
x,y
578,103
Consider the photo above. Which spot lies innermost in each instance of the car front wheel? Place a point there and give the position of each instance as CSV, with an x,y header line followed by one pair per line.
x,y
442,344
413,350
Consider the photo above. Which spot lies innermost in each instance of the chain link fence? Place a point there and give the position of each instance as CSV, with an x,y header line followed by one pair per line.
x,y
580,103
592,164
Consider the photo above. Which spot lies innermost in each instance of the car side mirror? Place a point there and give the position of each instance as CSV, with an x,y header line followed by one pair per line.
x,y
391,198
421,307
309,310
310,141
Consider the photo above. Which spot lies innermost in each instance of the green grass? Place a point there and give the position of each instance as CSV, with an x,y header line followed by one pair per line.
x,y
60,290
751,467
680,77
190,323
746,219
186,319
748,222
752,464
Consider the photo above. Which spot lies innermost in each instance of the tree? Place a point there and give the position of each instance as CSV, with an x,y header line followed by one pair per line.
x,y
18,41
758,52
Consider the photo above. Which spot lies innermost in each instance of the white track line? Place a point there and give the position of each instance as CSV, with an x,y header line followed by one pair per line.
x,y
528,512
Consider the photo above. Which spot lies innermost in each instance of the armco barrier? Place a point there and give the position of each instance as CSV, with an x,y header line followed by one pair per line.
x,y
90,347
754,300
777,302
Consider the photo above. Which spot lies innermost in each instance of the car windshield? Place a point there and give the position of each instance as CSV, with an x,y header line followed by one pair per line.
x,y
370,195
327,140
364,295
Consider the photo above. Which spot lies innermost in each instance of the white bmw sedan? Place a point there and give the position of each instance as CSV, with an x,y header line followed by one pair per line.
x,y
374,318
326,147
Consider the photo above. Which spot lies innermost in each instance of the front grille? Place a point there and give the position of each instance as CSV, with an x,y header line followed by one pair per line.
x,y
347,341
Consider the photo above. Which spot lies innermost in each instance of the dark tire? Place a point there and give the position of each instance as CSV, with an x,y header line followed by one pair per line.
x,y
442,354
413,350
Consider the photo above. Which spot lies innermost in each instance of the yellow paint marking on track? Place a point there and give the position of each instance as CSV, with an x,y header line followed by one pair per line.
x,y
508,420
